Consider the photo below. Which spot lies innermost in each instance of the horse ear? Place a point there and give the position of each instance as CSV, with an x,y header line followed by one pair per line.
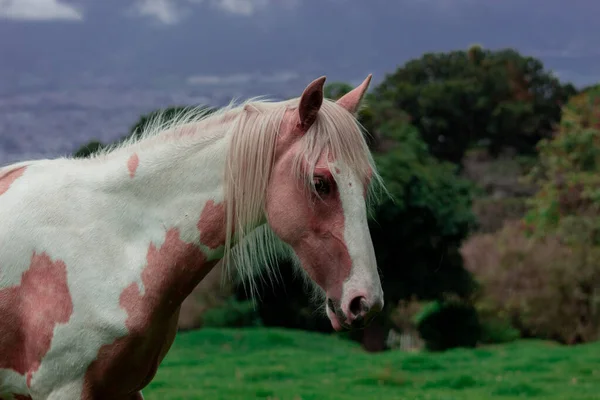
x,y
310,103
351,100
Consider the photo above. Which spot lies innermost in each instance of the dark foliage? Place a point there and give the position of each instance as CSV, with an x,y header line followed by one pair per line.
x,y
286,304
445,325
461,99
88,149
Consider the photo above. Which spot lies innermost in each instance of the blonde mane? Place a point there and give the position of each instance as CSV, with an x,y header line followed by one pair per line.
x,y
253,128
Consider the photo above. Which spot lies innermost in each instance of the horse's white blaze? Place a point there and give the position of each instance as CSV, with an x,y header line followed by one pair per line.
x,y
364,276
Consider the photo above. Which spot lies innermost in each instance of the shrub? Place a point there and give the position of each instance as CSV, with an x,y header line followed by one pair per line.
x,y
496,330
542,285
444,324
492,212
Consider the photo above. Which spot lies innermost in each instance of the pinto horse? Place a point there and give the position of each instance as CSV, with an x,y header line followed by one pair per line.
x,y
97,254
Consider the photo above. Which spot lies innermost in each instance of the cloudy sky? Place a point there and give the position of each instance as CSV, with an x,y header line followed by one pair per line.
x,y
233,42
72,71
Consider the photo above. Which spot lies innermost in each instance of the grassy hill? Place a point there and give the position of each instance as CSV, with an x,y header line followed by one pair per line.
x,y
219,364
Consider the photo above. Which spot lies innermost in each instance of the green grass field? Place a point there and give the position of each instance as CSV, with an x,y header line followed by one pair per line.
x,y
218,364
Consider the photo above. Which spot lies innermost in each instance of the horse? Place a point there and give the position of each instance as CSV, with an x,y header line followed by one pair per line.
x,y
97,254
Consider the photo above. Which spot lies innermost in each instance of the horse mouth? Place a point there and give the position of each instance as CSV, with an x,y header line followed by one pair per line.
x,y
336,317
339,321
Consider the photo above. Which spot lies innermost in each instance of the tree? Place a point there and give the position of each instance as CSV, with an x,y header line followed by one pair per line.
x,y
418,231
336,90
568,170
462,99
88,149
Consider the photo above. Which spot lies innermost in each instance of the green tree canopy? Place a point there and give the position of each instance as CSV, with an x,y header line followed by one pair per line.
x,y
88,149
335,90
568,173
418,230
477,97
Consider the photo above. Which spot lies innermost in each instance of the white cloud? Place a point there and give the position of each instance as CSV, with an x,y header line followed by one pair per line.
x,y
241,79
38,10
242,7
166,11
210,80
172,11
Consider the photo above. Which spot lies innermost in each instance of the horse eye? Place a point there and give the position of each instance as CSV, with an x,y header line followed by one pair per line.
x,y
322,186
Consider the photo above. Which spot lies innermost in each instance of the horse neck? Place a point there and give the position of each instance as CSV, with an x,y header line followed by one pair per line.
x,y
168,195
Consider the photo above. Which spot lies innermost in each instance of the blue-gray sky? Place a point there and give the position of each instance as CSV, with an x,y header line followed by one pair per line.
x,y
233,41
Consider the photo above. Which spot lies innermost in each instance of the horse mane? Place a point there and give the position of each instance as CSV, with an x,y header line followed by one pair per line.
x,y
189,122
253,127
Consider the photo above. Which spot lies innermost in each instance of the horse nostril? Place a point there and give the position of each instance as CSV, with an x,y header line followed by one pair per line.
x,y
359,307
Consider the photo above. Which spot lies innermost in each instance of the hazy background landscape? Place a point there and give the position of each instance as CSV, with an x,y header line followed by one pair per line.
x,y
76,70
